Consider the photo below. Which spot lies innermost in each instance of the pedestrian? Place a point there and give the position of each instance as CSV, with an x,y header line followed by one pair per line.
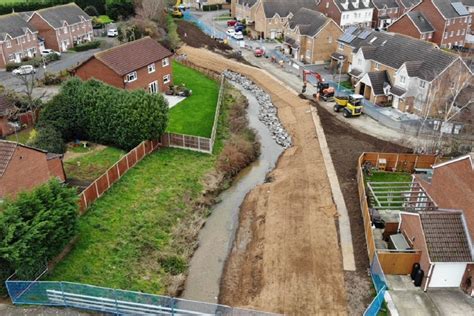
x,y
185,35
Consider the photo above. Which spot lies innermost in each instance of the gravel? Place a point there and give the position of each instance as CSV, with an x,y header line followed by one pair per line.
x,y
268,113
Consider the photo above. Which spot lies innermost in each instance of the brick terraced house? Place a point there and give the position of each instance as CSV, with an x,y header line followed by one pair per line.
x,y
244,9
5,108
385,12
348,13
23,168
63,26
310,36
141,64
406,5
17,39
444,22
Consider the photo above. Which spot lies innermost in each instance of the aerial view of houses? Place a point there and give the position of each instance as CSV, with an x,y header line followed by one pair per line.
x,y
237,157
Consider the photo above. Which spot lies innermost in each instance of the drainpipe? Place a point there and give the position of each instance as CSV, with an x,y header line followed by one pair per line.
x,y
428,278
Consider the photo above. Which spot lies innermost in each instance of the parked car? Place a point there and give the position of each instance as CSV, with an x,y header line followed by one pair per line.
x,y
238,36
112,32
24,70
46,52
231,22
259,52
239,28
230,32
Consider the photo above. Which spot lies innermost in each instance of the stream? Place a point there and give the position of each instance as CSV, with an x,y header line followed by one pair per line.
x,y
216,237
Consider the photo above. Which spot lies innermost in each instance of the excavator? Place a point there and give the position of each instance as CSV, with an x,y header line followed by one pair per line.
x,y
325,91
177,13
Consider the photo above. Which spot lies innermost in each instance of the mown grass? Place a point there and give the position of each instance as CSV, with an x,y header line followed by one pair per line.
x,y
92,164
389,177
22,136
104,19
395,200
195,114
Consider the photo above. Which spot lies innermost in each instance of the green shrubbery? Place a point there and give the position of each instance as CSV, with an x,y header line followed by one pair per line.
x,y
212,7
86,46
32,5
103,114
49,139
35,228
35,62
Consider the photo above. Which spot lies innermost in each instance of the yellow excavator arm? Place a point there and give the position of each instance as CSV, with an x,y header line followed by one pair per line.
x,y
176,10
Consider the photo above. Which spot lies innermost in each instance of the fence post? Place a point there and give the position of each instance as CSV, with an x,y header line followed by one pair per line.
x,y
184,144
199,143
62,293
116,303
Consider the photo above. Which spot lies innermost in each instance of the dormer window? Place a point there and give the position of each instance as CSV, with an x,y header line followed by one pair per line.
x,y
65,30
9,44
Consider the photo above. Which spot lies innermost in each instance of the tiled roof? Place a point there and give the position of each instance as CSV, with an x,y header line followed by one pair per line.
x,y
384,45
291,42
413,67
13,25
420,21
134,55
385,4
7,149
341,4
5,105
397,91
70,13
309,21
468,3
409,3
445,236
379,80
446,8
284,7
250,3
355,73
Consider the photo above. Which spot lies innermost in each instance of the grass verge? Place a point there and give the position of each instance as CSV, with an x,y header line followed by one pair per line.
x,y
195,114
91,165
142,233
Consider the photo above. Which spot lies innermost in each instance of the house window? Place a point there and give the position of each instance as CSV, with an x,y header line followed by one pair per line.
x,y
436,125
11,57
422,36
65,30
166,79
422,84
151,68
430,35
329,39
448,22
18,41
28,36
452,33
445,35
457,129
327,4
132,76
153,87
165,62
463,32
341,46
9,44
458,32
377,66
83,25
402,79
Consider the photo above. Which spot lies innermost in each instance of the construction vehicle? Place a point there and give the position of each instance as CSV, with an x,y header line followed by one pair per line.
x,y
325,91
177,13
350,105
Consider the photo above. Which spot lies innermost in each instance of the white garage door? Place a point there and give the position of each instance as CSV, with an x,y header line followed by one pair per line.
x,y
447,274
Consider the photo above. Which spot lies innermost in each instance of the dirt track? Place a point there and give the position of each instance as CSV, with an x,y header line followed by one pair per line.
x,y
286,256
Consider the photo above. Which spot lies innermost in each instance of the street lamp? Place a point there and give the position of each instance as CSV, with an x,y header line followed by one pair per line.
x,y
340,63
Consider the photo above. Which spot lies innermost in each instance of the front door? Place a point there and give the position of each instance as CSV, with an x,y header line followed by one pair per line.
x,y
153,87
395,102
272,35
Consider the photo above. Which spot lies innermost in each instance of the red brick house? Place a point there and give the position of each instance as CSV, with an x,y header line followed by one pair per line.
x,y
5,107
385,12
23,168
348,13
444,22
141,64
17,39
62,26
406,5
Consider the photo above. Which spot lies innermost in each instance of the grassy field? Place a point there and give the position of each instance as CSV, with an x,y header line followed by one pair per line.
x,y
389,177
396,201
92,164
195,115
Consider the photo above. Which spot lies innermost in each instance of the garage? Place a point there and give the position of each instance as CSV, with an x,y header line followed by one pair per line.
x,y
447,274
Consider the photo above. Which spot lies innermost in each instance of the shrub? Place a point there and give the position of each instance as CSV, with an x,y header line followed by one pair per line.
x,y
238,153
51,79
173,265
35,62
120,9
101,113
91,10
35,227
49,139
86,46
211,7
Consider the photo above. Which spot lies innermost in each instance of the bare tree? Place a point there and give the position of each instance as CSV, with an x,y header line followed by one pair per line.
x,y
32,103
155,10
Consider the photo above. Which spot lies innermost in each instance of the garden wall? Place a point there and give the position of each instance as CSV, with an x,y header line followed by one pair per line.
x,y
103,183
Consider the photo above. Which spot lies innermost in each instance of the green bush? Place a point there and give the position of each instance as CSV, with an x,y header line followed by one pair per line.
x,y
173,265
8,6
103,114
91,10
86,46
51,79
211,7
35,62
120,9
35,227
49,139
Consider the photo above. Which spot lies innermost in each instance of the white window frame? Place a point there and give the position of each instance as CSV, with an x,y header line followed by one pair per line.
x,y
446,35
422,84
330,39
165,62
155,86
430,35
166,79
65,30
451,34
402,80
341,46
9,44
132,76
448,22
151,68
327,4
377,66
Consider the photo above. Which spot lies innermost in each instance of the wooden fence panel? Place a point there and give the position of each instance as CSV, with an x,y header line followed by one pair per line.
x,y
90,194
102,184
425,161
397,262
122,166
132,158
113,174
82,203
140,151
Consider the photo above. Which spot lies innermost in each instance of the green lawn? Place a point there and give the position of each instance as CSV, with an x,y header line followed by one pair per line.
x,y
125,237
23,136
91,165
389,177
104,19
396,200
195,115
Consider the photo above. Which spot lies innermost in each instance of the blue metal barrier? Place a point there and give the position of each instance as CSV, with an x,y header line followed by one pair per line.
x,y
380,284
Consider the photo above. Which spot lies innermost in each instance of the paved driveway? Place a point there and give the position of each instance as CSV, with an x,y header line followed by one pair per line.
x,y
452,302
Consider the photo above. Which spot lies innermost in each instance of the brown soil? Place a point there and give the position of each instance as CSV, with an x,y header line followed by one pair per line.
x,y
286,256
191,35
346,145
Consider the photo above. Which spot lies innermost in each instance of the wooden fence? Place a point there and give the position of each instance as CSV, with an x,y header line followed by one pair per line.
x,y
114,173
392,262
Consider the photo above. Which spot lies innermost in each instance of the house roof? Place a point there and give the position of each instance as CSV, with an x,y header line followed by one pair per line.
x,y
385,4
308,21
7,149
445,236
346,5
134,55
468,3
5,105
13,25
379,80
249,3
57,15
448,8
284,7
420,21
400,92
382,48
409,3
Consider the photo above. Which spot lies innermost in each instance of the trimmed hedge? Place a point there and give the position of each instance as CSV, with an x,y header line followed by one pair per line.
x,y
32,5
212,7
94,111
86,46
35,62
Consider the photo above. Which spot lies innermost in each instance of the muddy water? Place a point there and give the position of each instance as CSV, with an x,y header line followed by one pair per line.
x,y
216,237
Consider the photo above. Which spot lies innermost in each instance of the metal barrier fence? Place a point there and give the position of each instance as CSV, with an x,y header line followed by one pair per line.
x,y
380,284
107,300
